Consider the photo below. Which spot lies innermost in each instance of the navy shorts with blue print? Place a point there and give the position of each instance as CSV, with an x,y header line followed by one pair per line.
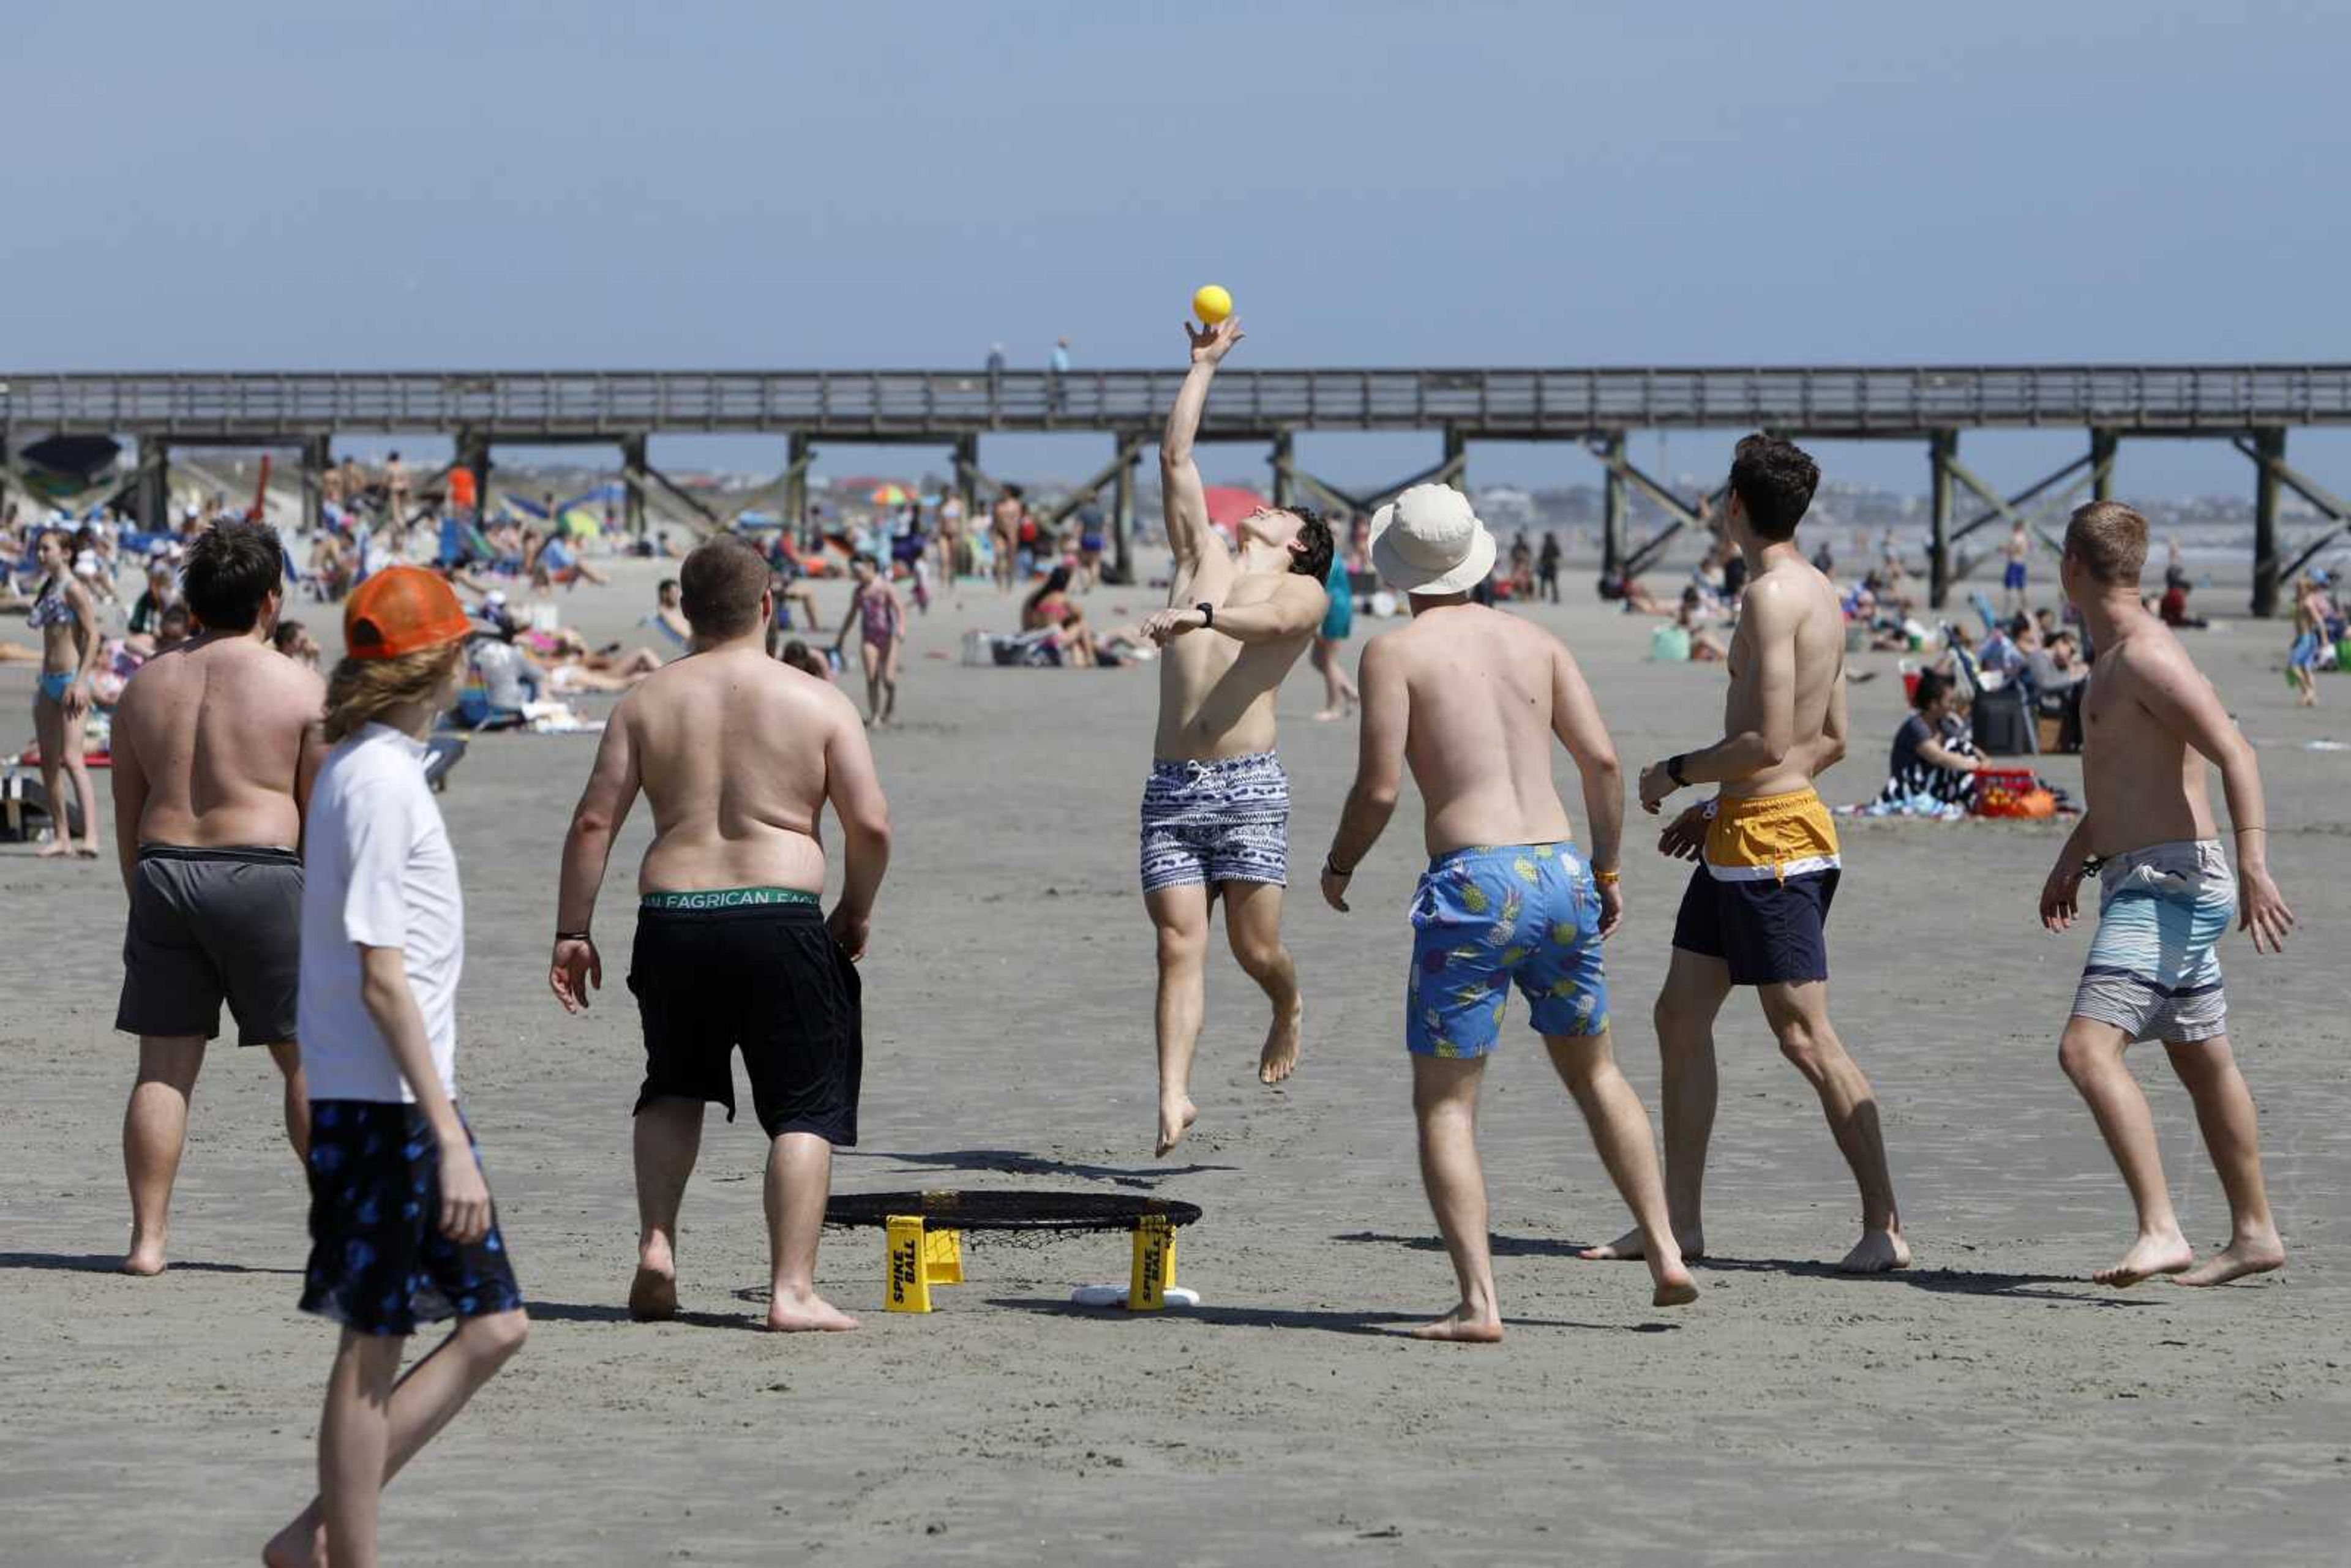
x,y
1485,918
378,1262
1215,821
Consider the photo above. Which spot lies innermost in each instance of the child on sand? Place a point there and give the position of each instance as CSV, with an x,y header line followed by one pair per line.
x,y
403,1229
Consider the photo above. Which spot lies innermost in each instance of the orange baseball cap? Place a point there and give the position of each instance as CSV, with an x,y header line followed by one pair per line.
x,y
402,610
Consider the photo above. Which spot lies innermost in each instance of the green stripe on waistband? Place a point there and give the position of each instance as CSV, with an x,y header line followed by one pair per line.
x,y
728,898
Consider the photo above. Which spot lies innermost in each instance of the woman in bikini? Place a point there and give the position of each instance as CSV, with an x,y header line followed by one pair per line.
x,y
67,619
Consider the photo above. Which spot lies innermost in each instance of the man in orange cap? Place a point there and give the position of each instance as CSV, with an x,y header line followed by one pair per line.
x,y
402,1230
215,742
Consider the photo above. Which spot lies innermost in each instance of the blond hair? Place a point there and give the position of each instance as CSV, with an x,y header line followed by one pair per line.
x,y
362,690
2110,541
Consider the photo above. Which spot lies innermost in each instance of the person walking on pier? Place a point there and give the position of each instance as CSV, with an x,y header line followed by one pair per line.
x,y
1756,912
215,745
739,755
2151,723
1472,698
1216,810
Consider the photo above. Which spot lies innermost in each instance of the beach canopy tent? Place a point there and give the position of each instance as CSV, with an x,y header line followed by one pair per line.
x,y
65,469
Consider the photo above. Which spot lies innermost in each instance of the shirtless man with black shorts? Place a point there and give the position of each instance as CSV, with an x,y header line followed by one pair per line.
x,y
739,755
2151,723
1756,911
215,744
1215,812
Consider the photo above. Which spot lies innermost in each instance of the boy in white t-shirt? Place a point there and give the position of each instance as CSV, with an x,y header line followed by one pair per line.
x,y
402,1230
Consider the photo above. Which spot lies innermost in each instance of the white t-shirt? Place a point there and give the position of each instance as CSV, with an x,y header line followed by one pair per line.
x,y
377,871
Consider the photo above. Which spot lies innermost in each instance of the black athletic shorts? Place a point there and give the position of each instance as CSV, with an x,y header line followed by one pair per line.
x,y
208,925
1770,931
378,1262
768,978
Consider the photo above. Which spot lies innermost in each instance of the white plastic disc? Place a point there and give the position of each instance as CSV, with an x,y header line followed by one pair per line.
x,y
1115,1296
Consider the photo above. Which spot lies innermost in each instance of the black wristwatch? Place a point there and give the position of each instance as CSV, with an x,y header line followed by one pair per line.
x,y
1208,615
1331,867
1674,770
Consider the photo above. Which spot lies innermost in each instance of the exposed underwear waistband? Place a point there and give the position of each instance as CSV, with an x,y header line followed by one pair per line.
x,y
236,854
729,898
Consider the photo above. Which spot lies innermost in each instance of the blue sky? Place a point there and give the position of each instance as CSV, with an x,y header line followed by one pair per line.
x,y
591,184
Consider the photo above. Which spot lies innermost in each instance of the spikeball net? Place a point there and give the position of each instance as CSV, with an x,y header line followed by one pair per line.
x,y
923,1235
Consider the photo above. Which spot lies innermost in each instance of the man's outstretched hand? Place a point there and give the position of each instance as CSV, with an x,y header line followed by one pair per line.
x,y
1211,344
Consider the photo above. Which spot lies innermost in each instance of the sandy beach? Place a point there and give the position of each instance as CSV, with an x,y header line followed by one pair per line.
x,y
1989,1406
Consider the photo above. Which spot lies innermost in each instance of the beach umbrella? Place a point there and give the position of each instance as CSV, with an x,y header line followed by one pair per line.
x,y
1228,503
892,494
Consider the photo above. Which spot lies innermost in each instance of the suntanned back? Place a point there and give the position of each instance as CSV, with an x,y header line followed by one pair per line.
x,y
730,752
218,727
1794,598
2142,783
1479,740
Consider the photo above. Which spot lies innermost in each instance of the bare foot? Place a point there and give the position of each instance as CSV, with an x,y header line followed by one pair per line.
x,y
1464,1325
1675,1288
145,1258
1279,1060
2250,1254
807,1314
1324,715
1877,1252
88,852
1175,1121
2149,1256
302,1545
55,850
652,1294
1629,1248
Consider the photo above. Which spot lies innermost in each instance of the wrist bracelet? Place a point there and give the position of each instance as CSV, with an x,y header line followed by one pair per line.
x,y
1608,878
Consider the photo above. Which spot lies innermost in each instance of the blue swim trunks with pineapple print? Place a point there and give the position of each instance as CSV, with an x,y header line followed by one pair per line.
x,y
1484,917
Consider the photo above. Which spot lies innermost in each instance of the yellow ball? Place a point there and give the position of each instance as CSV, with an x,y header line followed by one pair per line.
x,y
1211,304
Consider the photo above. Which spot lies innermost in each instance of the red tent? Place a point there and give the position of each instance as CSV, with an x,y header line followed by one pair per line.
x,y
1228,503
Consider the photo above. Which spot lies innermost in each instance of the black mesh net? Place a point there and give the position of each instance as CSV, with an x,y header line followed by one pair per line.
x,y
1008,1210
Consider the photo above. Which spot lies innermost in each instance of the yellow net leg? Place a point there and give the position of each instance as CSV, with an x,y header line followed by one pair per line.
x,y
1154,1264
943,1257
907,1281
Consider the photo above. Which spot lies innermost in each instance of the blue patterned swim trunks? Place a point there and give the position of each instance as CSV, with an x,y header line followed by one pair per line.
x,y
1484,917
378,1262
1225,820
2153,971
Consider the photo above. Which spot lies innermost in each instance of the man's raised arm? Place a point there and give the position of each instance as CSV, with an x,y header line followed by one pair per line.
x,y
1181,497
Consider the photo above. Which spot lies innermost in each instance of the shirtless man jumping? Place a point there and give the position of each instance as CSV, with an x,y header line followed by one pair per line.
x,y
1472,698
739,755
1216,813
1757,908
215,744
2150,723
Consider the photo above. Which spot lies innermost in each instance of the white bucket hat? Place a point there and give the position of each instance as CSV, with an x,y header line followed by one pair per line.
x,y
1428,540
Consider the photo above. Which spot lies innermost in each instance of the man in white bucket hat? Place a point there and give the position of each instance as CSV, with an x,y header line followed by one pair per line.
x,y
1471,698
1216,812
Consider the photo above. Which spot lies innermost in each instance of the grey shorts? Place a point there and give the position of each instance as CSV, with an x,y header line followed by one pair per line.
x,y
2155,965
209,925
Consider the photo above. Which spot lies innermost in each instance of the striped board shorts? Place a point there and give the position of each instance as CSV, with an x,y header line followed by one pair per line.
x,y
1222,820
2152,972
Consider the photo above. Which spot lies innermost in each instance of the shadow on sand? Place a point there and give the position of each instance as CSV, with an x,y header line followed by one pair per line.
x,y
1937,1282
112,1263
1012,1162
614,1312
1378,1324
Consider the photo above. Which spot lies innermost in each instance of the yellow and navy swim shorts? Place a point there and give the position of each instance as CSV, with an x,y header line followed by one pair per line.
x,y
1759,897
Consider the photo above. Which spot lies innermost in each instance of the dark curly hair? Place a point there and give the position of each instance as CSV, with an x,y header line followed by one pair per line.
x,y
1317,545
1775,479
231,568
